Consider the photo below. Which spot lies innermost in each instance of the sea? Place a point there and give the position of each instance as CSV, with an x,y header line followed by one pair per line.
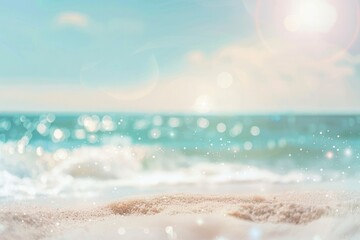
x,y
59,154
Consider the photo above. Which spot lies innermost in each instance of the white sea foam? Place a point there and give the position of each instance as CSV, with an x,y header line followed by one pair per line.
x,y
88,168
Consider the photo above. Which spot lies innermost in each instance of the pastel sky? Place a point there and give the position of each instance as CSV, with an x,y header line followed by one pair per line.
x,y
206,56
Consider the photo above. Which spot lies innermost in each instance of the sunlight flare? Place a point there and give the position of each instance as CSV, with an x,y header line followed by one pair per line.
x,y
316,16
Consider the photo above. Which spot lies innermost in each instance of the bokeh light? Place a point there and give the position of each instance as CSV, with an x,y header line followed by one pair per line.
x,y
225,80
203,104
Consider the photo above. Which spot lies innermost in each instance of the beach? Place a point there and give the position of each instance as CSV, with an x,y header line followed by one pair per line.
x,y
180,120
126,176
282,215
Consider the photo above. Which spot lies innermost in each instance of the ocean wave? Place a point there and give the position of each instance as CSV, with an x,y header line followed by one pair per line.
x,y
89,168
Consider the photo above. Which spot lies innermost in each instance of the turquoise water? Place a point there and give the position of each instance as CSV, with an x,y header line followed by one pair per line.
x,y
54,154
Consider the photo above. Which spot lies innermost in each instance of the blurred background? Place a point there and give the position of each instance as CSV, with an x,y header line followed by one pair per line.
x,y
181,56
103,97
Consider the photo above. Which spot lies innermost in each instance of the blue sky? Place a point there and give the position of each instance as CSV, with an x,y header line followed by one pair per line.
x,y
34,46
181,55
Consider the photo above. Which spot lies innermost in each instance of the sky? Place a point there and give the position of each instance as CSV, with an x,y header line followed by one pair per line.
x,y
204,56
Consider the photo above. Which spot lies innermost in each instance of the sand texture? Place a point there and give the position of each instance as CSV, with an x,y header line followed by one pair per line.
x,y
220,217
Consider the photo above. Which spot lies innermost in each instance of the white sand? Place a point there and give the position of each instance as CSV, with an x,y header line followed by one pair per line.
x,y
314,216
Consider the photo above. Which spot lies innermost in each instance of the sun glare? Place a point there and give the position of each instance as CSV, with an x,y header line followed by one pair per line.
x,y
315,16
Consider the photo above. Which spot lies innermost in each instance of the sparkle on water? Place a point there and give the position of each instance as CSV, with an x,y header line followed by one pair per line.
x,y
316,148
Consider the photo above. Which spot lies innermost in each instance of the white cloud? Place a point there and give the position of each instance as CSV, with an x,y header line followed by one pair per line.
x,y
74,19
290,80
